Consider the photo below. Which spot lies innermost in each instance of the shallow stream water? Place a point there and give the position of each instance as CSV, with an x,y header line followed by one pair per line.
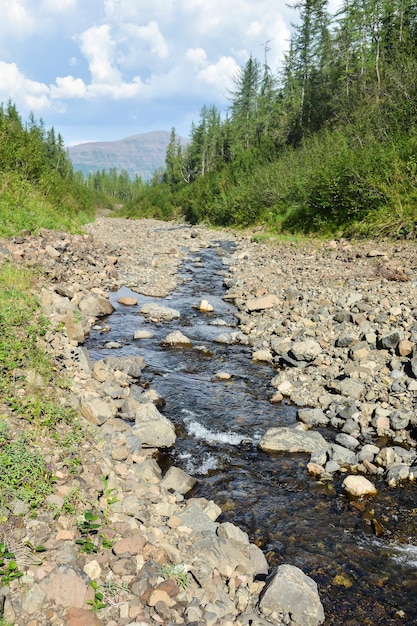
x,y
362,578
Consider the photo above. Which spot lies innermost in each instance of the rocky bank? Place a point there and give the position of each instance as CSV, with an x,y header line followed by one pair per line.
x,y
337,320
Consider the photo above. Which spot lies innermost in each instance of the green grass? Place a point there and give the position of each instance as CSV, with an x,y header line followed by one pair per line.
x,y
24,207
26,371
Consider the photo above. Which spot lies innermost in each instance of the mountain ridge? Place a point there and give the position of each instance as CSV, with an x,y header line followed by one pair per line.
x,y
141,154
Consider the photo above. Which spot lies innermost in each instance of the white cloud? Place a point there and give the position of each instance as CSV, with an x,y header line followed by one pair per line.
x,y
152,36
197,56
59,6
107,60
14,85
68,87
16,18
219,75
98,48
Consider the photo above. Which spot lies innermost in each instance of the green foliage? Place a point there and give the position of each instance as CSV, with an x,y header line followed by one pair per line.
x,y
8,567
88,527
177,573
325,147
97,602
24,474
37,183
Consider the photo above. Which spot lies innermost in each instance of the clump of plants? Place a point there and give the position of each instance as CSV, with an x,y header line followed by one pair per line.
x,y
178,573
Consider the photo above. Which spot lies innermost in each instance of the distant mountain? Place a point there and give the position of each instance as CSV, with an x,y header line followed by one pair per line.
x,y
139,154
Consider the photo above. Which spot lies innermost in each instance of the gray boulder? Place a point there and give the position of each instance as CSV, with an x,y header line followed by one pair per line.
x,y
131,365
286,439
96,306
306,350
293,593
152,428
177,480
159,312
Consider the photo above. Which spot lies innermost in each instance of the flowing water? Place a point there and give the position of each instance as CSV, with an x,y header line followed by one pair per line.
x,y
362,578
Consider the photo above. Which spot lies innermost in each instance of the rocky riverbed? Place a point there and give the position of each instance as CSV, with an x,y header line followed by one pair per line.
x,y
337,320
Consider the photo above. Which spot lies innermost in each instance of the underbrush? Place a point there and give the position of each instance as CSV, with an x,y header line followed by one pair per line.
x,y
26,207
35,423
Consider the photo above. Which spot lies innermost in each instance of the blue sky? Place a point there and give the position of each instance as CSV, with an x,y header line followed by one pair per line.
x,y
102,70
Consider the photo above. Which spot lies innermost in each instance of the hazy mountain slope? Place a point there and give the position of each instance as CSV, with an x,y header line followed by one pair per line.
x,y
139,154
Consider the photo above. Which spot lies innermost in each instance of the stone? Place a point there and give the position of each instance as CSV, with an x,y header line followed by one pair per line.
x,y
96,306
33,600
399,420
143,334
205,306
397,474
176,338
290,591
351,388
194,517
133,545
312,417
153,429
92,569
390,341
347,441
263,356
286,439
178,481
262,303
342,455
159,312
66,587
148,471
405,347
306,350
98,411
223,554
81,617
130,365
358,486
227,530
128,301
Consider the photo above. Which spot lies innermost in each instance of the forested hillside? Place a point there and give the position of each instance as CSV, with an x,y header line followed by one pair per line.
x,y
37,182
325,144
138,155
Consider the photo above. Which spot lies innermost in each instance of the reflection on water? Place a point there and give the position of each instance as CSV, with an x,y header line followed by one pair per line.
x,y
294,519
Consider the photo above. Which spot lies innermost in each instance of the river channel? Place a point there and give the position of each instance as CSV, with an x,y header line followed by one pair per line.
x,y
363,578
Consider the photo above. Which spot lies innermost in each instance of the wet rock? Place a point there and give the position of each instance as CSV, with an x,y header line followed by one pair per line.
x,y
143,334
286,439
128,301
262,356
204,306
176,338
293,593
358,486
397,473
159,312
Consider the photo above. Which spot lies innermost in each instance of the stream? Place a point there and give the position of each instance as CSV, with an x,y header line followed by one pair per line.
x,y
295,519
